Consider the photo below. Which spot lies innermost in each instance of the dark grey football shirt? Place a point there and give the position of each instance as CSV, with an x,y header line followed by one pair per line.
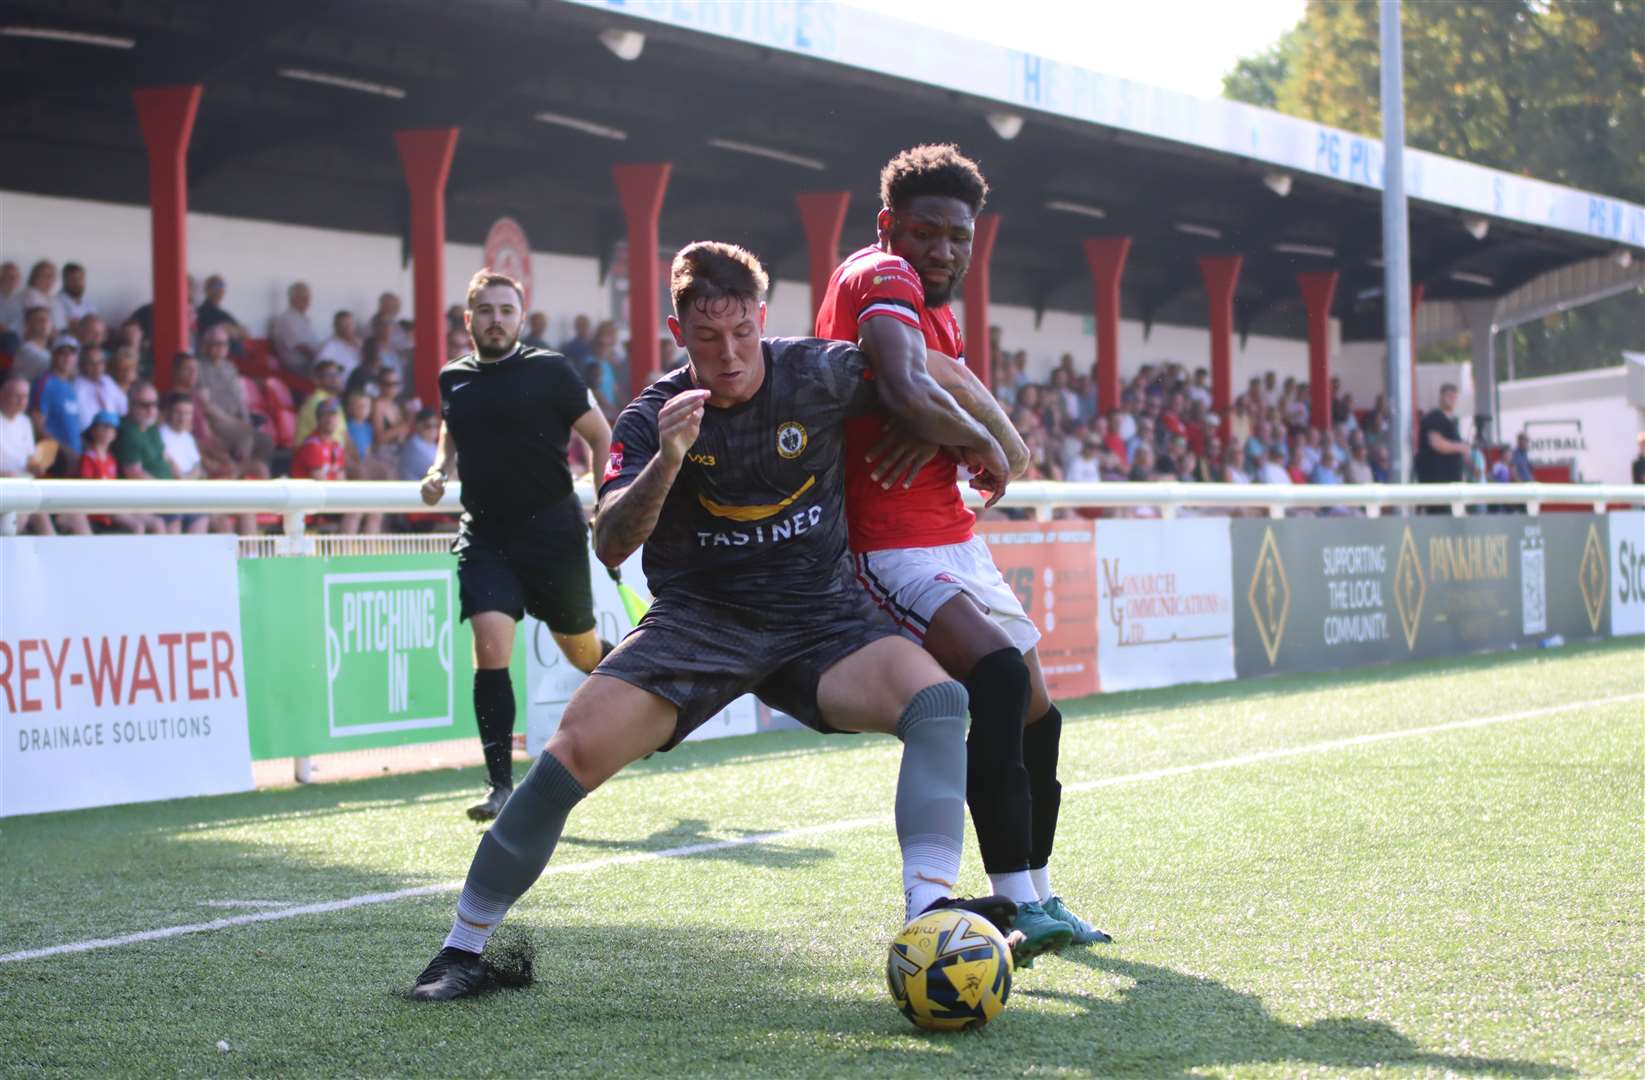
x,y
757,514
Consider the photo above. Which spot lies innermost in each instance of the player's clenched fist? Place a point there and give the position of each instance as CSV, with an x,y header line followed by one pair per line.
x,y
434,486
678,422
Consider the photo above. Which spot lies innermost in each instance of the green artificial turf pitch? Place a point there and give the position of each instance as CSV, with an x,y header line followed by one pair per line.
x,y
1288,897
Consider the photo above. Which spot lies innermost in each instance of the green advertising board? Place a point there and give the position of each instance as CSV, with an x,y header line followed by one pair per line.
x,y
355,653
1317,594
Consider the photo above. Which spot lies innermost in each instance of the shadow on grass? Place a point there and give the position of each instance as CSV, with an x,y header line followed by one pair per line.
x,y
694,833
1170,1023
758,1004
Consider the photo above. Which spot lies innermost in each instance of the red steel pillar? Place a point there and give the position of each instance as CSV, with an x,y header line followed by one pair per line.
x,y
425,157
166,114
1318,286
822,213
1221,274
1106,256
977,353
641,189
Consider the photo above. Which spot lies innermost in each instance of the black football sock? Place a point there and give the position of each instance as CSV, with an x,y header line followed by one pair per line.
x,y
494,713
996,781
1040,743
514,850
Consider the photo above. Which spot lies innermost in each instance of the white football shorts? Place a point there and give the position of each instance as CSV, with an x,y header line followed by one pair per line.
x,y
910,584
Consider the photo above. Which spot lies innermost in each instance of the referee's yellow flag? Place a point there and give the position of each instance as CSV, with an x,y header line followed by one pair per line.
x,y
633,603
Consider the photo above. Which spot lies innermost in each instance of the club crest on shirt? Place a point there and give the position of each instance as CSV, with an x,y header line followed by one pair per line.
x,y
614,464
791,439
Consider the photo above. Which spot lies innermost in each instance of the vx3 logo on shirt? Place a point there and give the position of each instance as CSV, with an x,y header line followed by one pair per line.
x,y
702,459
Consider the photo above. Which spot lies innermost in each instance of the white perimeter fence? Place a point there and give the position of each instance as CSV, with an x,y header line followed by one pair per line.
x,y
295,500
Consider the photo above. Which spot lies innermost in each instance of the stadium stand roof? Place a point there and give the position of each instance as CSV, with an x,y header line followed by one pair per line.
x,y
832,90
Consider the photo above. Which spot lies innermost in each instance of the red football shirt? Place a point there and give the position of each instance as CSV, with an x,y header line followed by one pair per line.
x,y
875,284
318,458
95,466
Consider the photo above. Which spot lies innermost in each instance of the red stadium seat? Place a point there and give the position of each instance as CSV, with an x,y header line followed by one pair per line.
x,y
252,390
256,357
285,428
278,394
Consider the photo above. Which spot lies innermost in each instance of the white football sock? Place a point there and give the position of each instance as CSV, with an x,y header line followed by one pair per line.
x,y
1018,885
1042,882
476,921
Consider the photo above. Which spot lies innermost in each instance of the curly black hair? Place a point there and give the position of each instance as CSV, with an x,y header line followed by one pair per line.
x,y
932,169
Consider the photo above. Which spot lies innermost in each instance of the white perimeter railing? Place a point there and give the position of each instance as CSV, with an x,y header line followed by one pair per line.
x,y
294,500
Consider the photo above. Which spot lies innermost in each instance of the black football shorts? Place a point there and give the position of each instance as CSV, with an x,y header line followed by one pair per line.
x,y
538,565
703,654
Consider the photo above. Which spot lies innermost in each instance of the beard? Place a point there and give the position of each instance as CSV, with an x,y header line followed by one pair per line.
x,y
938,296
495,352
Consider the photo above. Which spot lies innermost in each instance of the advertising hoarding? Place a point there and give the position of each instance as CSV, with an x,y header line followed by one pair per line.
x,y
121,671
1166,612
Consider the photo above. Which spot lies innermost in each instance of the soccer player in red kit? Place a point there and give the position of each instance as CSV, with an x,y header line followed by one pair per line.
x,y
913,542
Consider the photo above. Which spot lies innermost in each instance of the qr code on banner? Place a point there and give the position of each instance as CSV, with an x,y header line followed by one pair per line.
x,y
1533,585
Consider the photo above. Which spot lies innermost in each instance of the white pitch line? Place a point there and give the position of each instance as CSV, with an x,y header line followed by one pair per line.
x,y
246,903
1342,744
369,899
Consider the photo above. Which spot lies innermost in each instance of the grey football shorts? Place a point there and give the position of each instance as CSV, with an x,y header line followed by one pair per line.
x,y
702,654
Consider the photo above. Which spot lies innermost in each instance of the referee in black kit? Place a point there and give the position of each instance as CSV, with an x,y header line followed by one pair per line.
x,y
509,410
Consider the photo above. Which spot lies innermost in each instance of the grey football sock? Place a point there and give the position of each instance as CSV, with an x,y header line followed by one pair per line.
x,y
514,850
931,793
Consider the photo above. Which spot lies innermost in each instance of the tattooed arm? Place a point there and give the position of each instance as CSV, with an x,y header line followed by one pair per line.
x,y
627,515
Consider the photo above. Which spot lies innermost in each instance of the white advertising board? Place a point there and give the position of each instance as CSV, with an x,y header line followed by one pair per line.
x,y
551,680
1627,572
120,671
1165,603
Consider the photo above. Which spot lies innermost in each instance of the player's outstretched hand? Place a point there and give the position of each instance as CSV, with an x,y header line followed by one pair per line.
x,y
434,487
678,423
898,457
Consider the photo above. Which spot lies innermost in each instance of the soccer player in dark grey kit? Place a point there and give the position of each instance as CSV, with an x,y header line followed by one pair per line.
x,y
509,411
729,471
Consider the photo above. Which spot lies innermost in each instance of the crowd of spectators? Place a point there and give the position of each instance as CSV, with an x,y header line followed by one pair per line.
x,y
1164,429
78,399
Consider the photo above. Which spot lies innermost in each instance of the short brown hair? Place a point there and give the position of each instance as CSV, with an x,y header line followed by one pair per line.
x,y
708,270
484,278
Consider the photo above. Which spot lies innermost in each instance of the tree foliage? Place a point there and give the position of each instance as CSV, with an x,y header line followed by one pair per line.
x,y
1553,89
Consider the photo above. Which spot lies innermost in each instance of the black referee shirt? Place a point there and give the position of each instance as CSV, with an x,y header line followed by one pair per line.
x,y
511,419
